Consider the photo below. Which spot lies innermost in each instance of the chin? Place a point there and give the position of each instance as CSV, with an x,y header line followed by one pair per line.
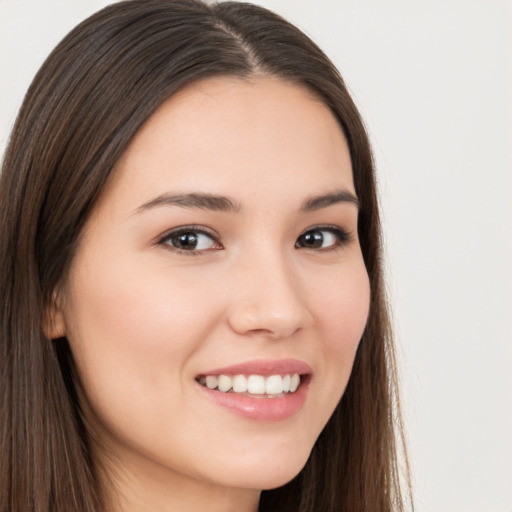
x,y
279,480
270,474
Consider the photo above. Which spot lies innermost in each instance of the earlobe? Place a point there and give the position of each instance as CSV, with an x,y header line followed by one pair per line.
x,y
54,324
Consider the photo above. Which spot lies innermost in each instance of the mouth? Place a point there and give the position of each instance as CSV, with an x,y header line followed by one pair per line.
x,y
262,390
254,386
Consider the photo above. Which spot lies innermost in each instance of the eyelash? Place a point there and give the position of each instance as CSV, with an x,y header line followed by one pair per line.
x,y
342,236
184,230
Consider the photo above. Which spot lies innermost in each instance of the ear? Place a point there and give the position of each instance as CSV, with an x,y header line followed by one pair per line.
x,y
54,325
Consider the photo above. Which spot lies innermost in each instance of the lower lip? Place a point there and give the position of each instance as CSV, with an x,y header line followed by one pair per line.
x,y
261,409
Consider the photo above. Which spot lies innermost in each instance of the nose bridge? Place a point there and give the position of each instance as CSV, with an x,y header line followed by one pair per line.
x,y
269,297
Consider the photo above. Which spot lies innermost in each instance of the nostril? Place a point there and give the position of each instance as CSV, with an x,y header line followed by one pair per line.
x,y
269,303
266,322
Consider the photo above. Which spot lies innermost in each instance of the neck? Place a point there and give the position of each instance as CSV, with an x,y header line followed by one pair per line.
x,y
141,487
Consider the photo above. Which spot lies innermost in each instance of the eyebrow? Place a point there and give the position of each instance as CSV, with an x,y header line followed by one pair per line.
x,y
325,200
202,201
212,202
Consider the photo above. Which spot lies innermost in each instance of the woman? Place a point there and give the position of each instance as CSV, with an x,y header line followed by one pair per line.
x,y
193,313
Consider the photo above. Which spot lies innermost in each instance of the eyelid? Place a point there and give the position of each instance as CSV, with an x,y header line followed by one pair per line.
x,y
344,236
164,238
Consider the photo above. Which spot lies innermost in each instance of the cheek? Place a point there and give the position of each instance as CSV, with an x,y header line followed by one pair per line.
x,y
133,333
139,311
341,310
341,306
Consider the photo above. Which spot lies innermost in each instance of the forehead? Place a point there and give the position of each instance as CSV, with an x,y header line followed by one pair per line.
x,y
226,132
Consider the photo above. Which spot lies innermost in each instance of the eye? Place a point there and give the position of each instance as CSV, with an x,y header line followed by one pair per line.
x,y
191,240
328,237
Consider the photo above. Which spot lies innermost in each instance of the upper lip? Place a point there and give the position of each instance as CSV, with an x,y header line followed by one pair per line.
x,y
265,367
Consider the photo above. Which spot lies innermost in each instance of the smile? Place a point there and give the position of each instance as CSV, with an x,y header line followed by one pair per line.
x,y
258,390
254,386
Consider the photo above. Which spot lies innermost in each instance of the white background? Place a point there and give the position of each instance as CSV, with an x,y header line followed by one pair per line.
x,y
433,79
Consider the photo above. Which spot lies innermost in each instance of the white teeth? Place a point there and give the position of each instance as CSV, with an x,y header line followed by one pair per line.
x,y
253,384
286,383
274,385
256,384
211,381
239,384
294,382
225,383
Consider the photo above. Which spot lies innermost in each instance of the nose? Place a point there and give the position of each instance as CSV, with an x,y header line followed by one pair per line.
x,y
269,301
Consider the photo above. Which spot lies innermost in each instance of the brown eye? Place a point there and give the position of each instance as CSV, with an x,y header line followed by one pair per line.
x,y
191,240
322,238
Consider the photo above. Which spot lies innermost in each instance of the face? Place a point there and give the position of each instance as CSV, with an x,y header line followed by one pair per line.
x,y
222,256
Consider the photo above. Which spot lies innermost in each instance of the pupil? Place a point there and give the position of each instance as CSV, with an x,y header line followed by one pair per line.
x,y
186,241
313,239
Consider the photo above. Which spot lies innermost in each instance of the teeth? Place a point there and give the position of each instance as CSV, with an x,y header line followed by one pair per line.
x,y
256,384
294,382
212,381
253,384
239,384
286,383
274,385
225,383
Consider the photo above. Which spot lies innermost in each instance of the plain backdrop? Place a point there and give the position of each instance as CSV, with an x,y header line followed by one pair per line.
x,y
433,80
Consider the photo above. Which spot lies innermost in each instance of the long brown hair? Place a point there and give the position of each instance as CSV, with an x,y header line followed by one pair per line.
x,y
89,99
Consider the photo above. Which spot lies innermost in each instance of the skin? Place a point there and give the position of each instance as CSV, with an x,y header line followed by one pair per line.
x,y
144,318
